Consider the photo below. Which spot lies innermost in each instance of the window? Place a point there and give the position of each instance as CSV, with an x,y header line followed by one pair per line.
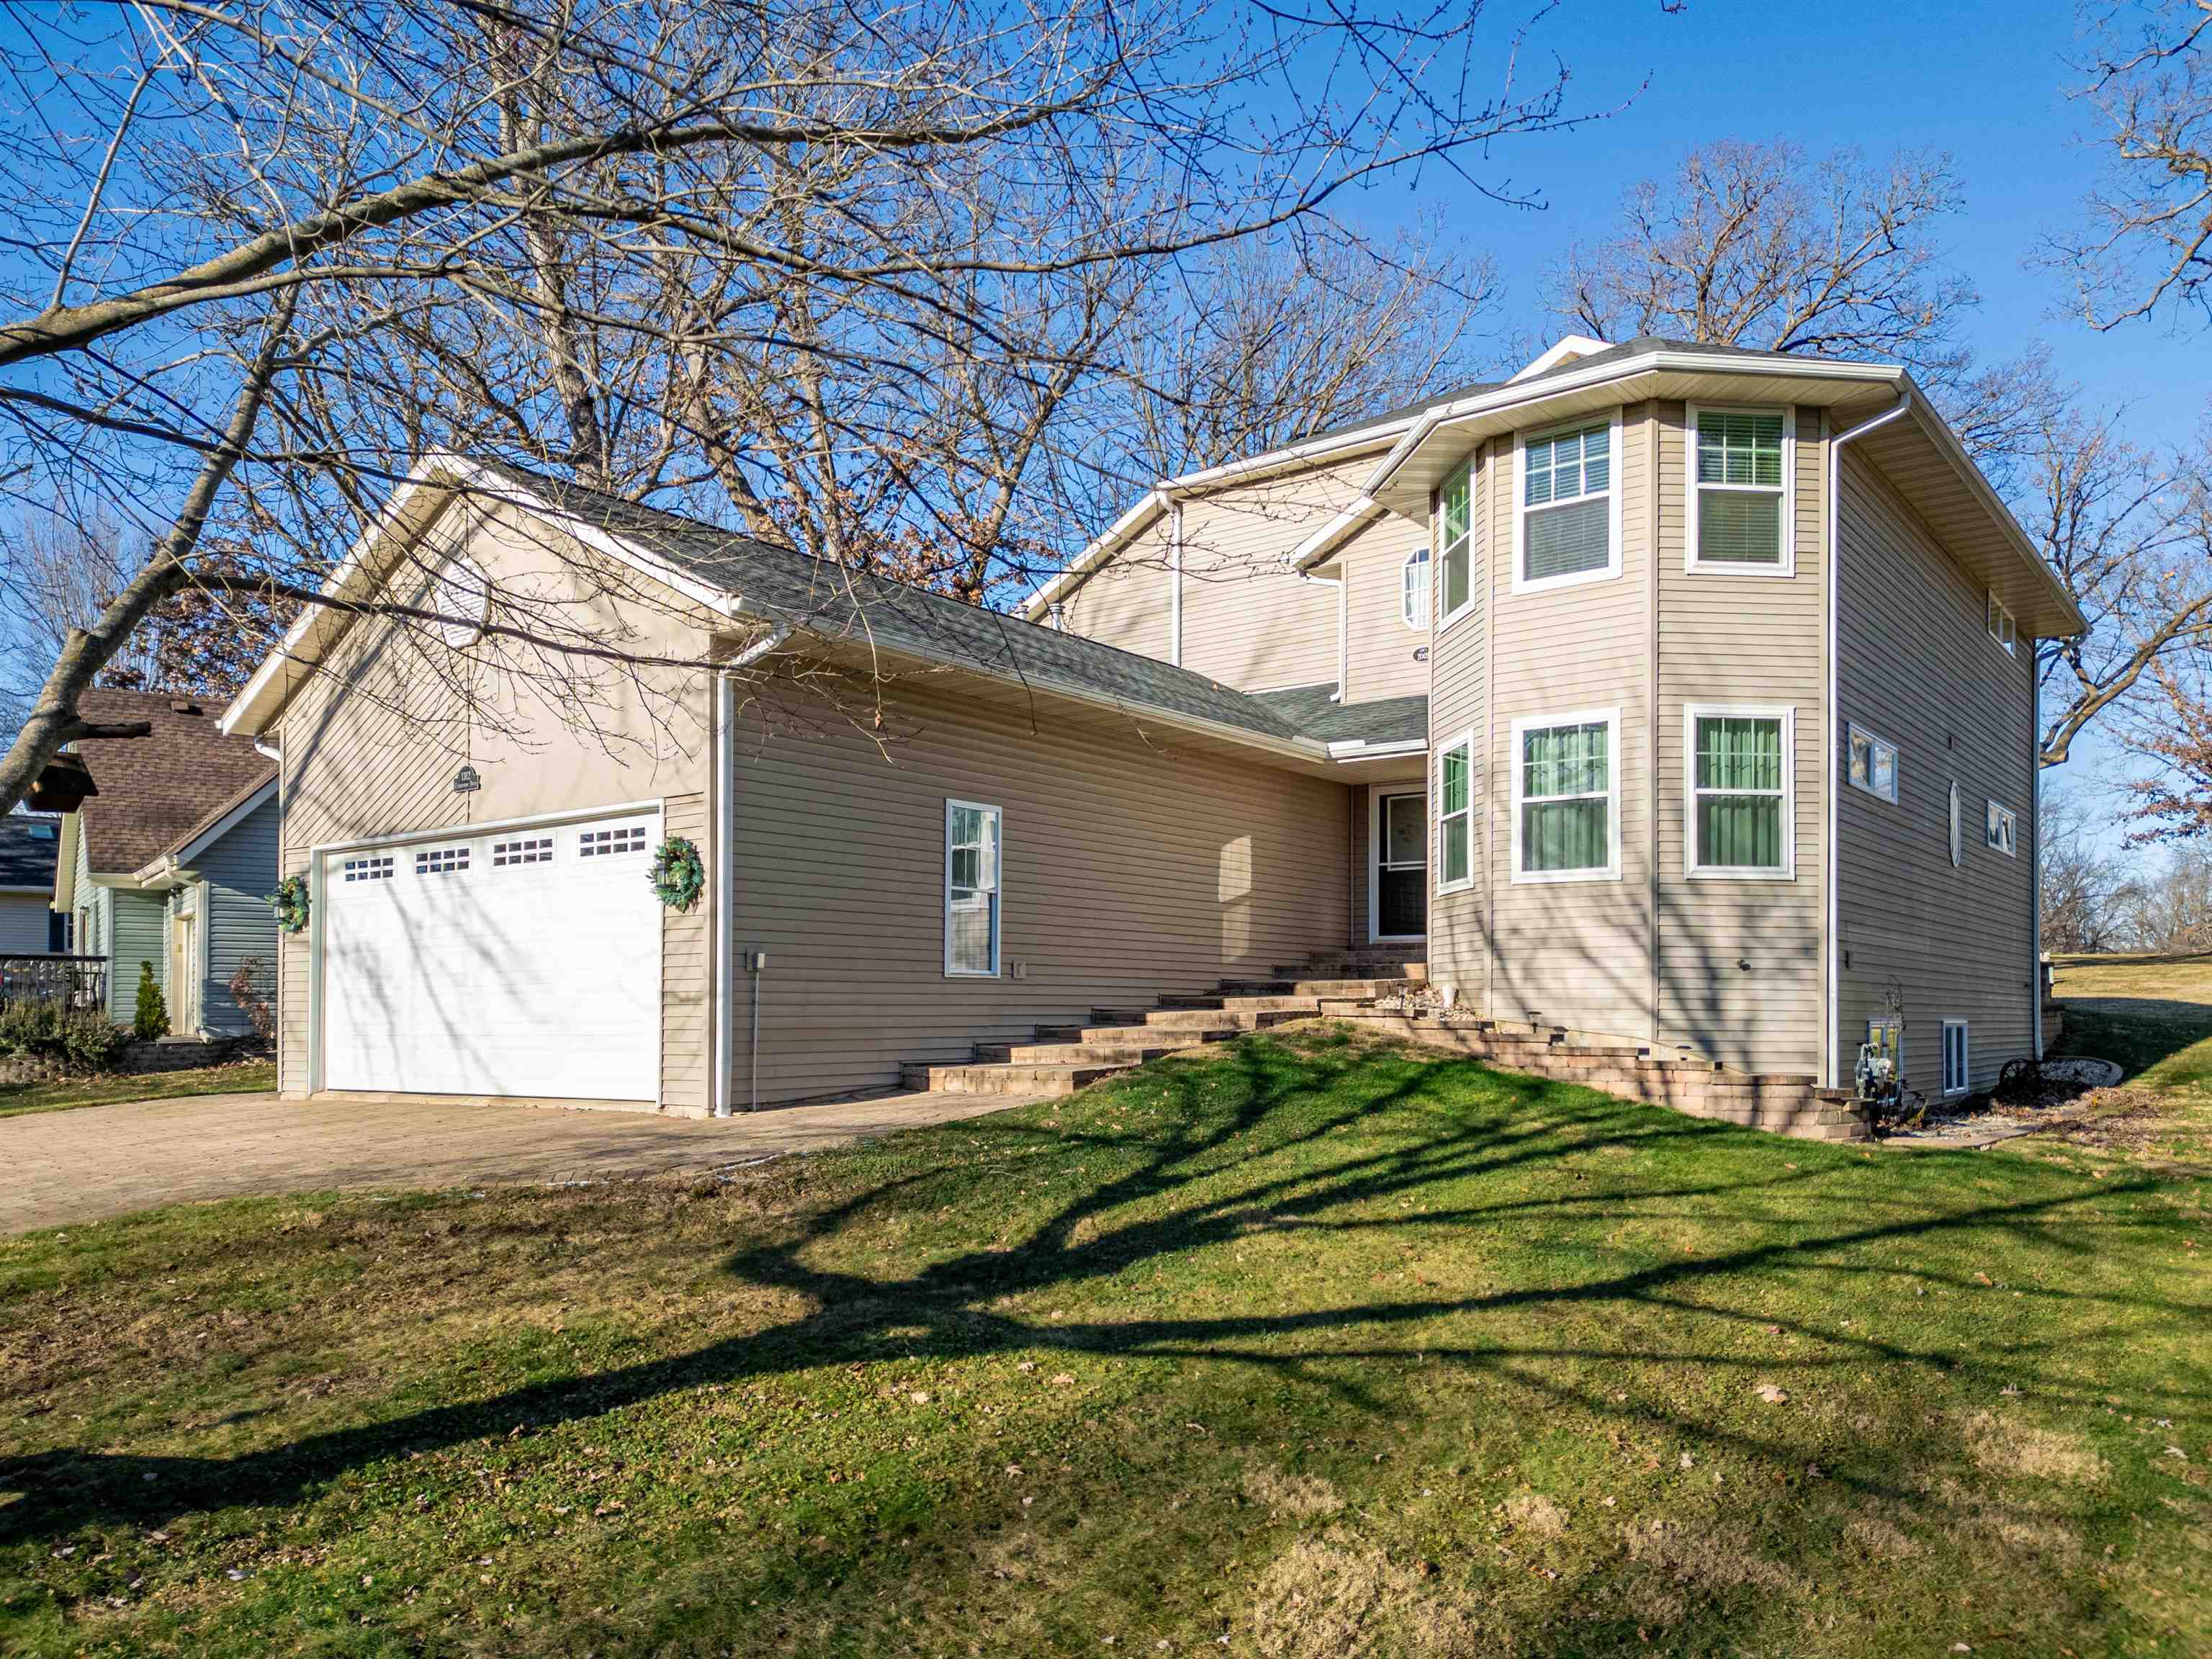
x,y
605,843
971,889
1565,827
1740,462
2001,828
464,602
440,860
1414,596
2001,626
1958,830
1740,792
1456,571
1456,816
368,869
1956,1074
1872,764
537,849
1566,526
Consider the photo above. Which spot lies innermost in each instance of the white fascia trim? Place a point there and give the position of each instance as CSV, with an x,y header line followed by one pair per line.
x,y
65,887
1610,571
1691,564
495,826
441,470
1611,717
1573,345
222,826
1360,749
1693,712
1108,542
1317,548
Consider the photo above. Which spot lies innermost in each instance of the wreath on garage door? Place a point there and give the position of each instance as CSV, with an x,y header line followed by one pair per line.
x,y
290,902
678,877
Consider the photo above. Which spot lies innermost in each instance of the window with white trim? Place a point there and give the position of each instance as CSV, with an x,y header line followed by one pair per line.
x,y
1957,830
971,889
1739,468
605,843
464,602
440,860
1740,791
531,849
2002,828
377,867
1870,764
1957,1074
2003,629
1456,560
1454,793
1565,788
1565,515
1414,589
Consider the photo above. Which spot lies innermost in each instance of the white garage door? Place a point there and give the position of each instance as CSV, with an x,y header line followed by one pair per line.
x,y
515,962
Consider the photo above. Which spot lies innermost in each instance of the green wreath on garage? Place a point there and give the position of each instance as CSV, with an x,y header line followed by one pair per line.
x,y
677,875
290,902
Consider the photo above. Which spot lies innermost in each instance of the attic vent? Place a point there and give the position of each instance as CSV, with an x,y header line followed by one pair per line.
x,y
183,706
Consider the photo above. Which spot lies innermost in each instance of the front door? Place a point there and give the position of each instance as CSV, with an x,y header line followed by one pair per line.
x,y
1402,865
184,976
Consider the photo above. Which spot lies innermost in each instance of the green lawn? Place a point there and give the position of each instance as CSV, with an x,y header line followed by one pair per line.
x,y
249,1078
1304,1347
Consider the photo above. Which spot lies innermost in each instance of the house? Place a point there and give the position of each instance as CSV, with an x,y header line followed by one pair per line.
x,y
167,852
28,925
1568,685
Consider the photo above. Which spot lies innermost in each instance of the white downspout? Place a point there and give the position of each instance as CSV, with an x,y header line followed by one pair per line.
x,y
2035,872
1834,952
725,788
1175,583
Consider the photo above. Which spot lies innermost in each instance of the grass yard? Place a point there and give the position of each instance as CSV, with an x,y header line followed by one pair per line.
x,y
249,1078
1304,1347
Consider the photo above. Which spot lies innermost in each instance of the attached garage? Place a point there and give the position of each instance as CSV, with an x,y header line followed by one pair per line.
x,y
517,959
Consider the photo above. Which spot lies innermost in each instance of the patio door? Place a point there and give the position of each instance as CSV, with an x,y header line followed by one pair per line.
x,y
1401,865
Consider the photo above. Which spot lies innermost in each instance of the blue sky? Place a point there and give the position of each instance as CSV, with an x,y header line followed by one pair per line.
x,y
1989,88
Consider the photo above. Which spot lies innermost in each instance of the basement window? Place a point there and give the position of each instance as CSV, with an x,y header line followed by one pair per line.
x,y
1957,1074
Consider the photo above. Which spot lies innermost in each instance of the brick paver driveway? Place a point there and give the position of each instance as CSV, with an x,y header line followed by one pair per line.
x,y
60,1168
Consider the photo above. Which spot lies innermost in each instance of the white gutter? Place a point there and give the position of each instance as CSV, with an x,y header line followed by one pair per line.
x,y
1174,583
726,841
1834,951
1355,749
759,648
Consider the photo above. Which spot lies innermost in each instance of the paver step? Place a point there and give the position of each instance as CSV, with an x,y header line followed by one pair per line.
x,y
1132,1045
973,1077
1209,1019
1316,987
1227,1002
1350,967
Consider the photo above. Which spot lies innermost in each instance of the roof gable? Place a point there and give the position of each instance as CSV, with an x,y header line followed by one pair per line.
x,y
155,790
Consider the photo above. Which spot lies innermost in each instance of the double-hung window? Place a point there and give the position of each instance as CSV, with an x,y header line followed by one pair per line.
x,y
1455,787
2002,628
1456,559
1414,589
1566,797
1740,470
2002,828
1567,524
1740,792
971,890
1957,1074
1871,765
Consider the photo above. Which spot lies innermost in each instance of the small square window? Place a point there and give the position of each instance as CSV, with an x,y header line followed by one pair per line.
x,y
442,860
2002,828
605,843
2003,629
377,868
536,849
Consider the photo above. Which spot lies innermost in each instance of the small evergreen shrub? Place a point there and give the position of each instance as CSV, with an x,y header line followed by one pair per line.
x,y
151,1019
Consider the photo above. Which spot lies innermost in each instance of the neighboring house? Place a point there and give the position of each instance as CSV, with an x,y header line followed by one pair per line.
x,y
167,854
29,926
1541,680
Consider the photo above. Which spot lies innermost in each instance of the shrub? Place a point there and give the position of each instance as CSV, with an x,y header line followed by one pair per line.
x,y
245,989
152,1019
84,1039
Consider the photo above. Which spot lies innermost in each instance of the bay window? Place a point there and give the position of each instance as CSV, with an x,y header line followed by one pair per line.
x,y
1566,797
1740,463
1740,791
1567,521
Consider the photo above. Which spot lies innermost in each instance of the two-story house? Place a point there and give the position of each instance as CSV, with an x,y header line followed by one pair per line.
x,y
1672,693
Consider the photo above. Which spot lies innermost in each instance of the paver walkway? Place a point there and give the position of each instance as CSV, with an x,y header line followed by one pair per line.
x,y
60,1168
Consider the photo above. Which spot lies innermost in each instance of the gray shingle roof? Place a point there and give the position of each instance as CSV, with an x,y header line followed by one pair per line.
x,y
28,847
1315,711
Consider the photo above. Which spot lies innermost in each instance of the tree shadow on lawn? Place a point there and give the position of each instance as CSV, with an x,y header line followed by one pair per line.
x,y
1263,1160
2139,1034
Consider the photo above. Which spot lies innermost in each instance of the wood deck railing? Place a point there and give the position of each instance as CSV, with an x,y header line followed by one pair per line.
x,y
76,981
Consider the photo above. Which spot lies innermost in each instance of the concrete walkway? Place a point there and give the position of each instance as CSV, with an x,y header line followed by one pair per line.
x,y
61,1168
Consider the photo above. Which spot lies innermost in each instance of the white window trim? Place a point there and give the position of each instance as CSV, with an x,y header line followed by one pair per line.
x,y
1994,808
944,892
1991,602
1691,562
1611,720
1691,713
1424,585
1440,550
1611,569
1853,729
1465,740
1966,1060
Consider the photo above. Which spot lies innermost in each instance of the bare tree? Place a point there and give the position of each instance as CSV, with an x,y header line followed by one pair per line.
x,y
2084,892
846,273
2145,243
2167,909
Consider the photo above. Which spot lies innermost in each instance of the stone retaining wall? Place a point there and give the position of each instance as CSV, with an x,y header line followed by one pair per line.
x,y
136,1059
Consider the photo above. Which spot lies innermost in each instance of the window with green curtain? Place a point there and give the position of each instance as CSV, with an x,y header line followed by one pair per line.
x,y
1739,788
1458,576
1566,503
1454,815
1740,487
1566,797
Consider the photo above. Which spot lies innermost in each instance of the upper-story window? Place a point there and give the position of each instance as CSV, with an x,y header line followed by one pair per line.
x,y
2002,828
2002,629
1567,526
1739,498
1455,562
1871,764
1414,596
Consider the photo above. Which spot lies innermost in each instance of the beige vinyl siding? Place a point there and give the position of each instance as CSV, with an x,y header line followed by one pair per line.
x,y
1460,661
1128,601
1728,638
371,744
1575,953
1916,664
1249,621
1380,659
1130,867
